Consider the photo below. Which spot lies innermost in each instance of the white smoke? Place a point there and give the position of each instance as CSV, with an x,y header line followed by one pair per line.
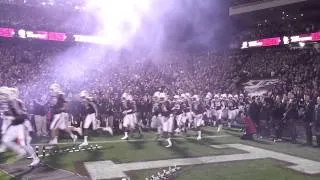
x,y
123,22
132,23
119,20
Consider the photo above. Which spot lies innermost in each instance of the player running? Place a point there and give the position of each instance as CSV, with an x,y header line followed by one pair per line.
x,y
16,136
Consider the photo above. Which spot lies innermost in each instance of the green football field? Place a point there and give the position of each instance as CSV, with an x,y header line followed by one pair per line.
x,y
4,176
256,169
147,149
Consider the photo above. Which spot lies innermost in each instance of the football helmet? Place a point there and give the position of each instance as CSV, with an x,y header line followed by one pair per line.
x,y
84,94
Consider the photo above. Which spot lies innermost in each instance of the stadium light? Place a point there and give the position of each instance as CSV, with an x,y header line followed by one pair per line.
x,y
302,44
286,40
22,33
120,19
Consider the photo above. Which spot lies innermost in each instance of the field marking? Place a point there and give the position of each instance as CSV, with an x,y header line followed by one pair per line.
x,y
109,170
6,173
20,170
130,140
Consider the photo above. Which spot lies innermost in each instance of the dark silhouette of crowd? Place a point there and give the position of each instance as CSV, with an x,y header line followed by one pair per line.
x,y
285,26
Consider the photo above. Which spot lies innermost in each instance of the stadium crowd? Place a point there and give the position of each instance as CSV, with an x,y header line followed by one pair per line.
x,y
32,68
268,29
53,19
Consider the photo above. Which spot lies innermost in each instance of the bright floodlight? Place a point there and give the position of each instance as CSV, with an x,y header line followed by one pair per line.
x,y
302,44
119,19
22,33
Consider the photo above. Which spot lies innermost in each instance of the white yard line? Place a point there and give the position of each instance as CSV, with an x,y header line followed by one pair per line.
x,y
5,172
130,140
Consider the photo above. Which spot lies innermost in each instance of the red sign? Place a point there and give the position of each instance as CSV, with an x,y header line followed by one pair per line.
x,y
54,36
271,41
43,35
6,32
262,43
315,36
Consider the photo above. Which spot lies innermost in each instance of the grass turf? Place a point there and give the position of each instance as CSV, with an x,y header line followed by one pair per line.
x,y
299,149
121,152
4,176
265,169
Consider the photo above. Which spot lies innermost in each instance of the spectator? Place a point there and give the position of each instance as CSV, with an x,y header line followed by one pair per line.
x,y
254,110
291,116
308,118
278,111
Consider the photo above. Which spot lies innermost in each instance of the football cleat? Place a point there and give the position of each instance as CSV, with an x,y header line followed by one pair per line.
x,y
35,162
84,144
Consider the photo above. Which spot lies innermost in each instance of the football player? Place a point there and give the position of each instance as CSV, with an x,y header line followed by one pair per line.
x,y
198,110
224,110
156,117
208,113
231,110
129,111
91,112
218,111
60,116
187,108
16,136
167,119
178,114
